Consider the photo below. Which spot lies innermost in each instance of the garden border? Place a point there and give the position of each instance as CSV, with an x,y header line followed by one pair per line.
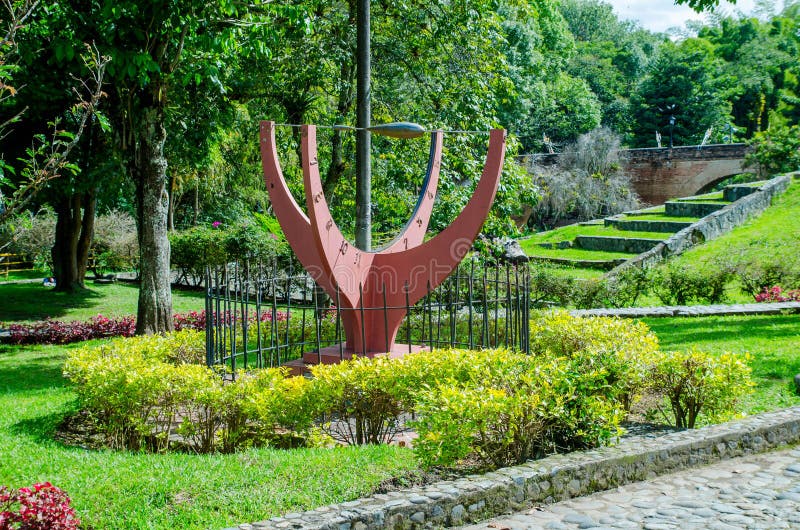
x,y
712,225
477,497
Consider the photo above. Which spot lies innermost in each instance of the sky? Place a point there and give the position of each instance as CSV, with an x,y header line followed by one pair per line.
x,y
660,15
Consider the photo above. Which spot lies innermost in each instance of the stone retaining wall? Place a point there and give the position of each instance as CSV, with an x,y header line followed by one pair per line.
x,y
691,209
714,225
735,192
473,498
632,245
641,225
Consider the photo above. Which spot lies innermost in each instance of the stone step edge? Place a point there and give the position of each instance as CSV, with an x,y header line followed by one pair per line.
x,y
552,479
761,308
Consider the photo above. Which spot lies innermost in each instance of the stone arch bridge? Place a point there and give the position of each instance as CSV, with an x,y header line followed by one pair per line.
x,y
660,174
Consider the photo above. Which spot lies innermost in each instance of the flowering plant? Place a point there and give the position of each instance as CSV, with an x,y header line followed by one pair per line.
x,y
40,507
776,294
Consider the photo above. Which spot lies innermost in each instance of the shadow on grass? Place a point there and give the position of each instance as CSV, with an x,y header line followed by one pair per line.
x,y
41,429
31,375
33,301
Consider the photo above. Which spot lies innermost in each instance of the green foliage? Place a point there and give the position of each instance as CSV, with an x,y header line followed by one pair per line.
x,y
756,276
682,82
139,389
695,381
776,151
549,287
132,388
181,489
195,249
772,340
564,108
616,352
363,395
504,408
681,285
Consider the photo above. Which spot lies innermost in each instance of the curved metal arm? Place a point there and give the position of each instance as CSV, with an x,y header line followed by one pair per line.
x,y
431,262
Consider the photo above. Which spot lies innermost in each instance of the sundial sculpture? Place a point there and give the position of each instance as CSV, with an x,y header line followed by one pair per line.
x,y
374,289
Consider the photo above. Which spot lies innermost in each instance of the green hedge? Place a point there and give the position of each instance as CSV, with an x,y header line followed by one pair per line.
x,y
491,406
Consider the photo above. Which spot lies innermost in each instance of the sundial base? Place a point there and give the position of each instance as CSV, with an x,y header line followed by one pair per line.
x,y
334,355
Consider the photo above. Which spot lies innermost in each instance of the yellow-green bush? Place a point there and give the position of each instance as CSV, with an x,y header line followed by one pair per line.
x,y
616,350
695,381
143,389
503,408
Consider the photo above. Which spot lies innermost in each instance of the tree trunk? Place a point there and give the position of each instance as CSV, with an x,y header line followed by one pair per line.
x,y
74,233
87,234
150,174
343,106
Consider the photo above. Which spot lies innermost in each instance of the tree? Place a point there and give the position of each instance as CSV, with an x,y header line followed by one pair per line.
x,y
701,5
759,61
682,83
147,42
775,151
565,108
52,143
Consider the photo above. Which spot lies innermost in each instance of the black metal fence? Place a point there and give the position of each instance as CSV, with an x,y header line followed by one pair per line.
x,y
260,316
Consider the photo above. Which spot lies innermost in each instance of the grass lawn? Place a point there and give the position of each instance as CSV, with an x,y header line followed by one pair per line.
x,y
568,233
771,237
27,302
773,341
710,197
23,275
563,271
120,489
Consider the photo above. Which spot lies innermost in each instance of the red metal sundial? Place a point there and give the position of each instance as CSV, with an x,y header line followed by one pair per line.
x,y
375,288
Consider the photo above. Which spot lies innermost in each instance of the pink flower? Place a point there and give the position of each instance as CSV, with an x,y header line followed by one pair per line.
x,y
216,224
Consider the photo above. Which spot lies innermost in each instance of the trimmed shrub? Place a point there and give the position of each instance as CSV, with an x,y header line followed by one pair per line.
x,y
199,247
503,408
676,285
143,390
40,507
363,395
618,352
133,390
695,381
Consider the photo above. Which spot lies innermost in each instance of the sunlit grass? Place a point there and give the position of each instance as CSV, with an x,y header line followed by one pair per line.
x,y
772,340
122,489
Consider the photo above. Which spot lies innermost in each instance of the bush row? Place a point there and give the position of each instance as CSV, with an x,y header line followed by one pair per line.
x,y
671,283
199,247
98,327
495,406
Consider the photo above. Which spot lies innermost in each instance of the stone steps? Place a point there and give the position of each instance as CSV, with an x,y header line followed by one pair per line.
x,y
735,192
642,225
692,209
631,245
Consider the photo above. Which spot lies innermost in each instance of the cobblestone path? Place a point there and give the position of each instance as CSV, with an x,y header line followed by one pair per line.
x,y
754,492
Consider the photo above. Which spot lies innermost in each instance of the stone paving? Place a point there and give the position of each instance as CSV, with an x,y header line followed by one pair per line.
x,y
755,492
771,308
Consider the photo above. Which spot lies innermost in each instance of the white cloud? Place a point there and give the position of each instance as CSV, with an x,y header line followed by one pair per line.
x,y
660,15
